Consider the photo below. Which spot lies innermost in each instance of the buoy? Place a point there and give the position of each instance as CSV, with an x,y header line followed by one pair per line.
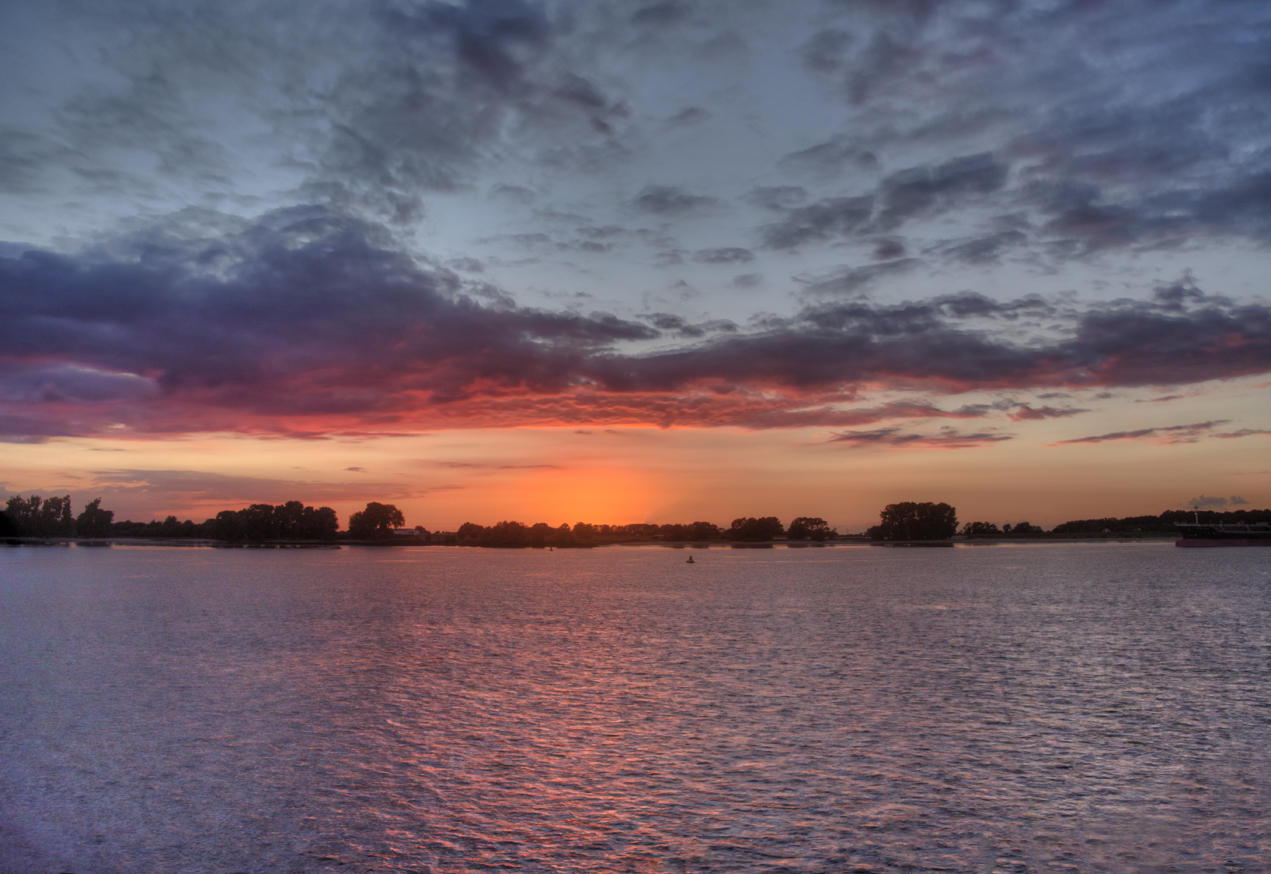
x,y
690,560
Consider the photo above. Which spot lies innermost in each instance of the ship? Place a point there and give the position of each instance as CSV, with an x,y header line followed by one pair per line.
x,y
1223,533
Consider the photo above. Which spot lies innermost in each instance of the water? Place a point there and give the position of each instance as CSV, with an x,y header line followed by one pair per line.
x,y
1082,707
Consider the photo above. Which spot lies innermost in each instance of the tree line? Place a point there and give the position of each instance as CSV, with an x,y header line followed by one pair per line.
x,y
294,521
52,517
513,535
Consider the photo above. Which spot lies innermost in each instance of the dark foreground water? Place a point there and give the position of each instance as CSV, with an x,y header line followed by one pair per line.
x,y
1041,708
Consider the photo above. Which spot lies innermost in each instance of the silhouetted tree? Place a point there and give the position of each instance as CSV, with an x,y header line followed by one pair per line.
x,y
376,521
94,521
911,521
750,529
810,528
980,529
35,518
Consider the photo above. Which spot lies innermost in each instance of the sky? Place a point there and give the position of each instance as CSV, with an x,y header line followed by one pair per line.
x,y
637,261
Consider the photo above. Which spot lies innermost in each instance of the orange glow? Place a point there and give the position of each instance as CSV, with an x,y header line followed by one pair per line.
x,y
597,495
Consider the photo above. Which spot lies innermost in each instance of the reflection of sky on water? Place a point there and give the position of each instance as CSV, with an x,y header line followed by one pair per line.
x,y
1097,706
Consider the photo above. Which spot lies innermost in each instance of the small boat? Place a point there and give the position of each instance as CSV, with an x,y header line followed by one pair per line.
x,y
690,560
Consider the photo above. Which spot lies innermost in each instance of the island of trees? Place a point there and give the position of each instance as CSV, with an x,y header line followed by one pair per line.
x,y
296,523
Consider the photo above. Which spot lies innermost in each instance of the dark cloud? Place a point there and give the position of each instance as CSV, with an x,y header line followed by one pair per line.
x,y
946,438
1165,434
308,322
826,51
512,194
689,116
836,217
723,256
924,190
830,157
887,250
1243,432
1238,501
1203,501
853,279
304,313
1027,413
984,250
670,200
778,197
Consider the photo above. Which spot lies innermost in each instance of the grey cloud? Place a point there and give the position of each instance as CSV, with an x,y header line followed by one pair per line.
x,y
853,279
689,116
826,51
467,265
899,198
830,157
723,256
778,197
1163,434
1203,501
306,318
1238,501
747,280
984,250
670,200
924,190
512,193
886,250
946,438
836,217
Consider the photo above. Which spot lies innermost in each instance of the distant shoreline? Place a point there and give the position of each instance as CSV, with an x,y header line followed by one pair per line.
x,y
848,540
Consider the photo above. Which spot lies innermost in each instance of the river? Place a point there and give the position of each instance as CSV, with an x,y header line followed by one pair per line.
x,y
1040,707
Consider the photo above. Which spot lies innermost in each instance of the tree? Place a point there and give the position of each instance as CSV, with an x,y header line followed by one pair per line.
x,y
981,529
810,528
911,521
750,529
94,521
376,521
35,518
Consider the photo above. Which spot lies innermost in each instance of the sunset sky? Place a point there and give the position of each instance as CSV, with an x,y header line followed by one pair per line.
x,y
637,261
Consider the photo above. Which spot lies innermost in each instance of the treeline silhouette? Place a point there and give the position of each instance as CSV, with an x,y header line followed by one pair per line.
x,y
1162,523
294,521
745,529
51,517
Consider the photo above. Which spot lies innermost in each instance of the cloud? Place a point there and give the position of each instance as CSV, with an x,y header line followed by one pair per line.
x,y
1243,432
309,322
946,438
670,200
1203,502
1027,413
836,217
724,256
777,197
1164,434
830,157
1238,501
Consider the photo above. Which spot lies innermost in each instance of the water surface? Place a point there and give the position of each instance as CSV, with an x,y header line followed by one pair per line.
x,y
1075,707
